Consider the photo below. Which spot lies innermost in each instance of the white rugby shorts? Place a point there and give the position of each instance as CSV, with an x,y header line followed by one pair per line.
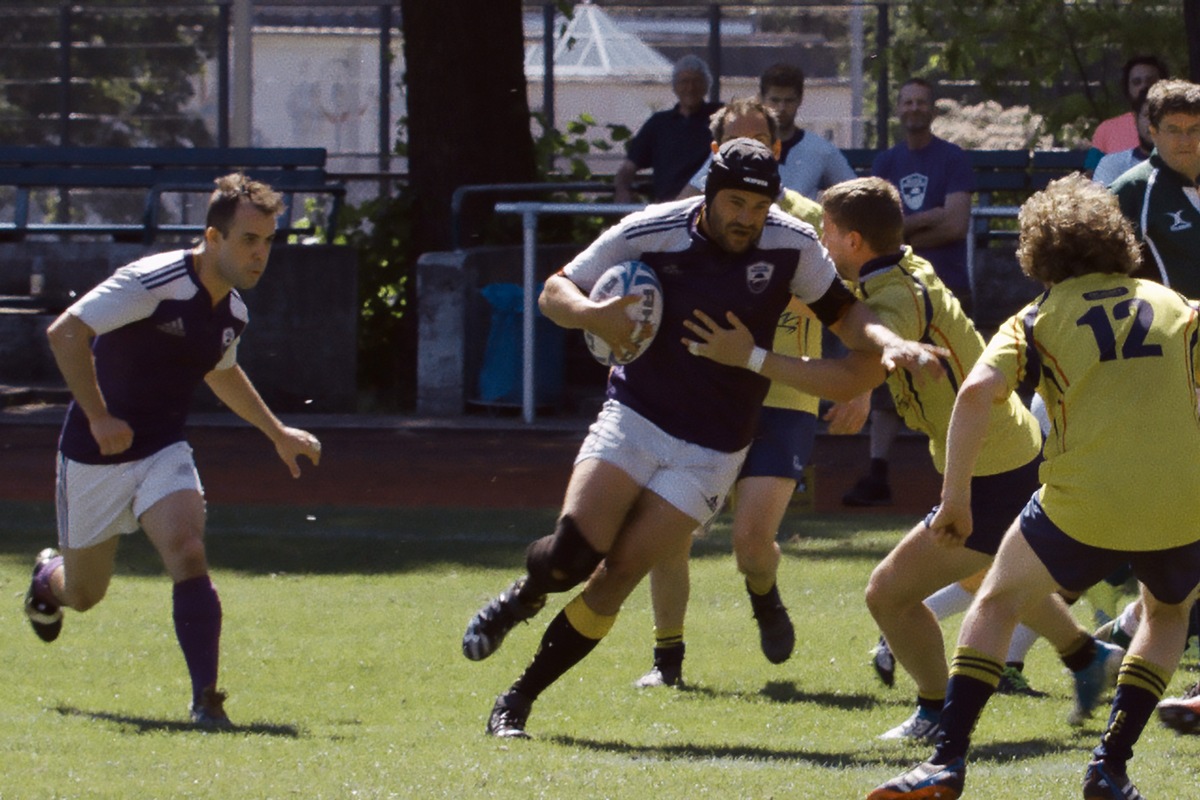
x,y
692,478
99,501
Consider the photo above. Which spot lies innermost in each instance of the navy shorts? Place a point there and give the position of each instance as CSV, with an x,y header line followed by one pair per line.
x,y
782,446
996,501
1170,575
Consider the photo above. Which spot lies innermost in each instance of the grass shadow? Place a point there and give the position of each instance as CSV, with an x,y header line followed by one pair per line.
x,y
710,752
151,725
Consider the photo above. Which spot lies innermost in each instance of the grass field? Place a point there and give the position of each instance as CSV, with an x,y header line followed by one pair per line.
x,y
341,655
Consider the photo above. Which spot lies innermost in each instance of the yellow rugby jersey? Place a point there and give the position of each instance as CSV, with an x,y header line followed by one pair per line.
x,y
1115,360
798,333
911,300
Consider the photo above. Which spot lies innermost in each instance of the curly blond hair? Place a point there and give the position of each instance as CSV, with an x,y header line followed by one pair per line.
x,y
1074,227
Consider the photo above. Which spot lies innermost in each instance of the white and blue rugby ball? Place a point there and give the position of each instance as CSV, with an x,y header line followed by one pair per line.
x,y
626,278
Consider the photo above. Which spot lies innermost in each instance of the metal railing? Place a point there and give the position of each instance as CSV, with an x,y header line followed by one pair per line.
x,y
529,212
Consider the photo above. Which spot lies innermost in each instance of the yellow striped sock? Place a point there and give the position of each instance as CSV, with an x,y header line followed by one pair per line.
x,y
588,622
1137,671
760,587
668,637
976,664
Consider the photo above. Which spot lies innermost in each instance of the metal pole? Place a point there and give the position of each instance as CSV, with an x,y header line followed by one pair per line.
x,y
882,111
223,25
529,220
856,74
714,52
243,83
385,91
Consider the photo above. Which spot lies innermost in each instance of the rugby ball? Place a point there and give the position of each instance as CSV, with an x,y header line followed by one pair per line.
x,y
626,278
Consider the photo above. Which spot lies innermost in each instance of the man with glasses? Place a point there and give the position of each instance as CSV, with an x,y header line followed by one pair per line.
x,y
1159,196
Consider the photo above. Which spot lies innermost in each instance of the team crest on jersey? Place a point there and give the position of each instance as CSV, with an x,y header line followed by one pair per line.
x,y
227,337
912,189
758,276
1178,223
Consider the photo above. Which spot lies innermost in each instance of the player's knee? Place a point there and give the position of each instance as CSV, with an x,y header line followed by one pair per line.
x,y
563,559
83,598
187,559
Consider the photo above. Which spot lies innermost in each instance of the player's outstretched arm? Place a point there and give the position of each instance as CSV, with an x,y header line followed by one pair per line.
x,y
861,330
233,388
837,379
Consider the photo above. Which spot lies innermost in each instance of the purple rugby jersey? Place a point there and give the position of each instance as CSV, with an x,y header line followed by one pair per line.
x,y
690,397
158,335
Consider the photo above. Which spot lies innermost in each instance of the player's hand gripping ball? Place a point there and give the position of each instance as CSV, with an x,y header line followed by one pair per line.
x,y
626,278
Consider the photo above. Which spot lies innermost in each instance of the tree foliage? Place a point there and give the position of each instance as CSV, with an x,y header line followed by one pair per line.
x,y
1061,58
131,67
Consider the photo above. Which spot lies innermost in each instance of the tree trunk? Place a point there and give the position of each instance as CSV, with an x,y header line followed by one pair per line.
x,y
468,115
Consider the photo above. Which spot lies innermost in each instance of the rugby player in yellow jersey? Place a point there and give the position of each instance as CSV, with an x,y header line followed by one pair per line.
x,y
1115,359
864,233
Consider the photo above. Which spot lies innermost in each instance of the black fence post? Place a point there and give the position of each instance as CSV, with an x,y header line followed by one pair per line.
x,y
714,51
385,90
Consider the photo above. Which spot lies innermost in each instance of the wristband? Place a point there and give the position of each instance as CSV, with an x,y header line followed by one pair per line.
x,y
755,362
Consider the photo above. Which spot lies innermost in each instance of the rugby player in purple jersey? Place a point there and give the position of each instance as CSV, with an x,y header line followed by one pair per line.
x,y
132,351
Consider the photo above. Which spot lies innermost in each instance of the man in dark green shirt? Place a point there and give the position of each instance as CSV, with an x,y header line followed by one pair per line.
x,y
1160,196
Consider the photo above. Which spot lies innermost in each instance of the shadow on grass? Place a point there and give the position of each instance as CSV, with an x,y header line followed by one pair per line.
x,y
996,752
708,752
150,725
788,692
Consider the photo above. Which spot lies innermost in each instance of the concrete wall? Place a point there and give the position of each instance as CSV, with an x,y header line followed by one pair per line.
x,y
300,349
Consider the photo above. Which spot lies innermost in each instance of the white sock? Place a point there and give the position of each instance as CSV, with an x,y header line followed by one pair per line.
x,y
1129,619
1023,639
949,600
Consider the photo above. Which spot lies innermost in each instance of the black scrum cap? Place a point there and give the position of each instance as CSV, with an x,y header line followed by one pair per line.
x,y
745,164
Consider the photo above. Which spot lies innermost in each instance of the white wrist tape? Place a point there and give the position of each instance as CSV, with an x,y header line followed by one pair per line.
x,y
755,362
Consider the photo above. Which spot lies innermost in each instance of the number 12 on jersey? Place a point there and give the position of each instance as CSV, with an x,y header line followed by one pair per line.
x,y
1134,346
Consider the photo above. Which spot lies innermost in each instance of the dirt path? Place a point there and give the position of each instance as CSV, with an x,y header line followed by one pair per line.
x,y
415,466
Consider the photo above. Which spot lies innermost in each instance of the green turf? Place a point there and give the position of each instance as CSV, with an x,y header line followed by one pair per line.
x,y
342,659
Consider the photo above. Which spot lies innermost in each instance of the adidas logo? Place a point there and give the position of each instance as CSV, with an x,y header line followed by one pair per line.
x,y
711,502
173,328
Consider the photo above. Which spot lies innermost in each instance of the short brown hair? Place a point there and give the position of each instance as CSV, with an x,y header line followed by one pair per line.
x,y
1172,96
736,109
785,75
223,203
870,206
1074,227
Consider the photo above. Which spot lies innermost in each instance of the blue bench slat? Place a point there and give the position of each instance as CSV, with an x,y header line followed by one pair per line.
x,y
155,170
128,177
226,157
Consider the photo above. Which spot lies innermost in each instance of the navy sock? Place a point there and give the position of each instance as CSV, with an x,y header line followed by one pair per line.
x,y
197,612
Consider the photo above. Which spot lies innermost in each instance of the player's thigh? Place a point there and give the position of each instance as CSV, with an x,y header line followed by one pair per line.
x,y
1018,572
655,529
599,497
761,503
918,566
175,526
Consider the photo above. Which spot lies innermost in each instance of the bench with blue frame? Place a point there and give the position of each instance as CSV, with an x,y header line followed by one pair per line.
x,y
157,171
